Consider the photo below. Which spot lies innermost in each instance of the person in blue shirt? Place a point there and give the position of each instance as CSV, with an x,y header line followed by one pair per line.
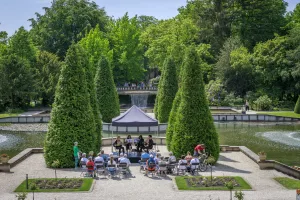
x,y
150,160
105,157
145,155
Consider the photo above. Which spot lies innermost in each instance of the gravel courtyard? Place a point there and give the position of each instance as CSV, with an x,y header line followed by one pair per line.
x,y
140,187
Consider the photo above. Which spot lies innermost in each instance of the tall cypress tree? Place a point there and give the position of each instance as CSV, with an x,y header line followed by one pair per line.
x,y
157,95
167,90
106,91
172,119
297,106
194,122
72,118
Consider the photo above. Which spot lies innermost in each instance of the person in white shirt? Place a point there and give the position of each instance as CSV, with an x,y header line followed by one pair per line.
x,y
124,159
181,161
99,158
84,159
172,158
112,169
194,160
121,157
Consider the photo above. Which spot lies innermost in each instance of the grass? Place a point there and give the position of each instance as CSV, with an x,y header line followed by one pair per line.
x,y
282,114
182,184
288,182
3,115
5,124
86,185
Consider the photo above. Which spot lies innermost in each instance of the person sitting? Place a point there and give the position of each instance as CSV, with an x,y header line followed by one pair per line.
x,y
112,165
121,156
182,161
128,143
90,166
172,158
149,143
140,144
157,158
188,157
126,160
194,161
145,156
99,158
162,166
83,158
199,149
148,166
118,145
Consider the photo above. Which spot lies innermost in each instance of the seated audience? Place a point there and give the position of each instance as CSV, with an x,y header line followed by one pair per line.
x,y
121,156
83,158
99,158
181,161
188,157
90,166
172,158
149,161
112,168
145,156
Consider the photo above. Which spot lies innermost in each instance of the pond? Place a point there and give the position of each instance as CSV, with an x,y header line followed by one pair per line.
x,y
281,142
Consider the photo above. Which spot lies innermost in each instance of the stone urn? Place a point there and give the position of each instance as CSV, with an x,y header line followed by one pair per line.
x,y
223,149
262,156
4,158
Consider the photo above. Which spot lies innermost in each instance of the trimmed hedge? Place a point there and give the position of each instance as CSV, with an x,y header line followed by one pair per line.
x,y
194,122
167,90
172,119
106,91
297,106
72,118
157,96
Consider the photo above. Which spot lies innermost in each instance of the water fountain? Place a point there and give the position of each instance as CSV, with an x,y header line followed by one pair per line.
x,y
140,100
3,138
284,137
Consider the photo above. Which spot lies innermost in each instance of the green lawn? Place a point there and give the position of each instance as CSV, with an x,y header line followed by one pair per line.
x,y
182,184
288,182
86,185
3,115
282,114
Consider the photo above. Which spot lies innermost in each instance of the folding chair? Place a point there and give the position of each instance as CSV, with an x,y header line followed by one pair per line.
x,y
152,168
182,167
171,167
194,168
83,169
123,170
162,168
100,168
112,170
143,164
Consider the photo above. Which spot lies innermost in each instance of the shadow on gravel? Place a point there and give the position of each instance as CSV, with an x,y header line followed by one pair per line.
x,y
225,159
226,168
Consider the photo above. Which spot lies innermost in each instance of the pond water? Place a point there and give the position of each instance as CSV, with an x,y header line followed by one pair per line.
x,y
280,141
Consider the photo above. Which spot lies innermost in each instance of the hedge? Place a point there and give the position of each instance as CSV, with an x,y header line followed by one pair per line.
x,y
297,106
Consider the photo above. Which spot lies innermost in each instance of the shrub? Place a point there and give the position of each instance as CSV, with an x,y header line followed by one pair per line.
x,y
263,103
297,106
172,119
156,104
106,91
167,90
232,100
72,118
194,122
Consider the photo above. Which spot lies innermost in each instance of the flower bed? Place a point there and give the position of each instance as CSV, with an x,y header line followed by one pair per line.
x,y
57,185
205,183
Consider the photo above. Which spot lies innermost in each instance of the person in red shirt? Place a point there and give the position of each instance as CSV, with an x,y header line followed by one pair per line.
x,y
90,166
199,149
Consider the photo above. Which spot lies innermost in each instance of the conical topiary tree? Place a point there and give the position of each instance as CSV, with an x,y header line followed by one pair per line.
x,y
106,91
172,119
194,122
167,90
297,106
72,118
94,103
157,96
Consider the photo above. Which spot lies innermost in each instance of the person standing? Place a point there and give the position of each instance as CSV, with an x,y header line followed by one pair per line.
x,y
76,154
247,105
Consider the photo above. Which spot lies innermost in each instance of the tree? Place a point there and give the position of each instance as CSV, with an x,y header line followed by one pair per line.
x,y
72,118
167,90
128,53
65,22
106,91
194,122
47,71
172,119
297,106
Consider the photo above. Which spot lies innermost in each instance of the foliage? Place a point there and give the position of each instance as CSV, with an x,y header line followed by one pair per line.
x,y
194,123
167,90
297,106
172,119
21,196
55,165
128,53
57,185
65,22
232,100
47,71
288,183
263,103
239,195
215,92
106,91
71,117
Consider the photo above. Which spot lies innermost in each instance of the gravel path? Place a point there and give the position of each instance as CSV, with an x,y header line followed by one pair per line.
x,y
38,127
141,187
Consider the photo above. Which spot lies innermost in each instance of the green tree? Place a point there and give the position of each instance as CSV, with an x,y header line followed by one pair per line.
x,y
128,53
172,119
47,71
297,106
64,22
194,122
167,90
72,118
106,91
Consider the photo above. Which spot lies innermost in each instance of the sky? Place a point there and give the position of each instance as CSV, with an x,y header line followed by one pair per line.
x,y
15,13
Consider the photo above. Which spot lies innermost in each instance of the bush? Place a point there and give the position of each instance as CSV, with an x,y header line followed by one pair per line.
x,y
194,123
297,106
172,119
72,118
156,104
263,103
232,100
106,90
167,90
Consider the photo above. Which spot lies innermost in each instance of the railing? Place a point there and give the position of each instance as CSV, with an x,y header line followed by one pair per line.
x,y
136,88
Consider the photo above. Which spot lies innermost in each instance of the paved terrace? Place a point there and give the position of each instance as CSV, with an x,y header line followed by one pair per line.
x,y
141,187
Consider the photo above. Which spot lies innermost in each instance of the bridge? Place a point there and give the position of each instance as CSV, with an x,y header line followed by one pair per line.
x,y
136,90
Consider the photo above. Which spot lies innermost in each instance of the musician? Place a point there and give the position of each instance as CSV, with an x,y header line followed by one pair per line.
x,y
149,143
118,145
